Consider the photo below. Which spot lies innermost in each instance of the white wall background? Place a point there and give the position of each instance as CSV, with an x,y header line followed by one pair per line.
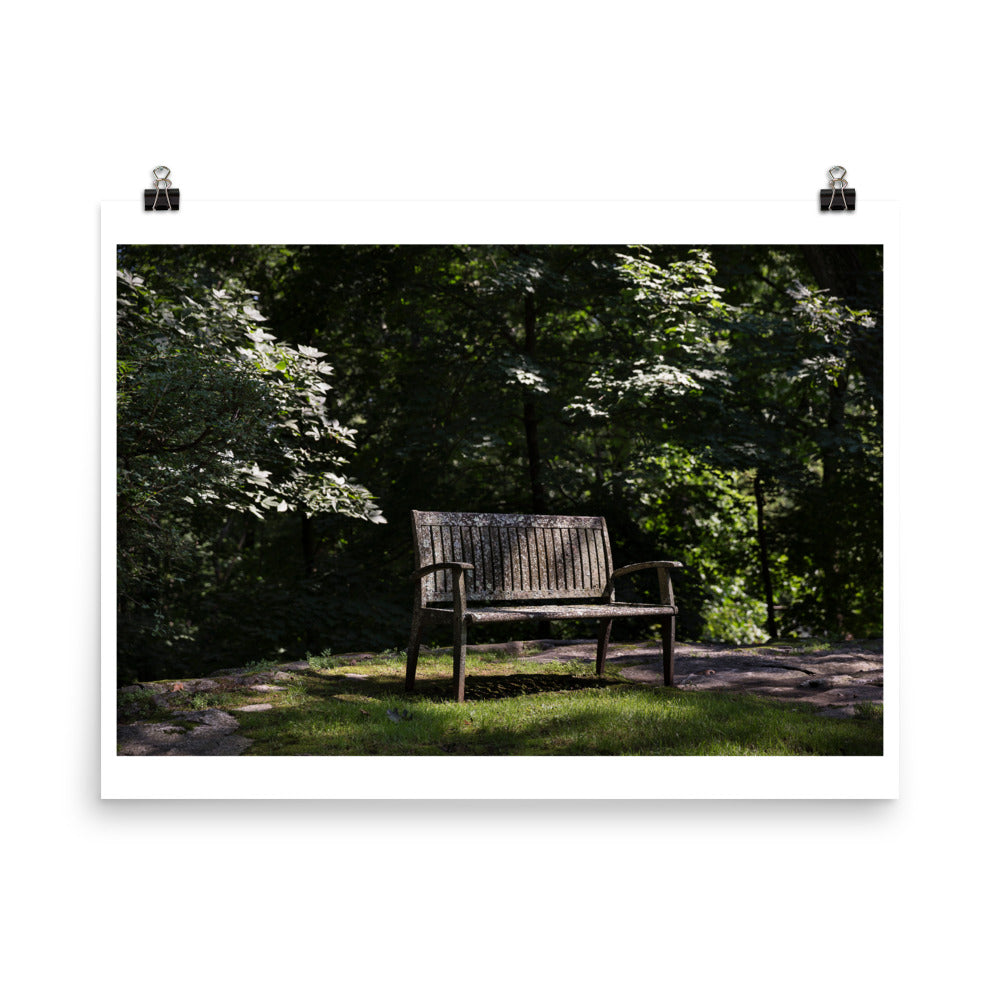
x,y
520,100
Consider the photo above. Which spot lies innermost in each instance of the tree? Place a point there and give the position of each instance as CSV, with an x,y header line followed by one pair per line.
x,y
805,409
219,424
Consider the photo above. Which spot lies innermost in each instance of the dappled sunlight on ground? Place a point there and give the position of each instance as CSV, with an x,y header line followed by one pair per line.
x,y
521,698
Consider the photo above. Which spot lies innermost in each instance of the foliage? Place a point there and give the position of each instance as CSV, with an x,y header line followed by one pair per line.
x,y
218,422
720,406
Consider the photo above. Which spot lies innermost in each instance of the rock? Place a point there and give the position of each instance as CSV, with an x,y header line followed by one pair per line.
x,y
212,735
175,687
832,677
252,680
201,684
837,712
262,707
825,683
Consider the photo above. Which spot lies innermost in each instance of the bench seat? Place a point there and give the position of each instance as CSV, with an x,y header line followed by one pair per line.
x,y
549,612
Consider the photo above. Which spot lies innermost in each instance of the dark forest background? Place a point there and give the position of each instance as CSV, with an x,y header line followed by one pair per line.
x,y
281,409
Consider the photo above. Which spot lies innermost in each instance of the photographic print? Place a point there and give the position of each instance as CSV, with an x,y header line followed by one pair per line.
x,y
499,499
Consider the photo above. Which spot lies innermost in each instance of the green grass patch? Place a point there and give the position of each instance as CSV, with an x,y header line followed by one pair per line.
x,y
135,704
869,710
350,706
355,705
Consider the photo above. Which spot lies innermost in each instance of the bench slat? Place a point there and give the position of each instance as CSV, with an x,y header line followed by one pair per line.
x,y
550,520
516,556
549,612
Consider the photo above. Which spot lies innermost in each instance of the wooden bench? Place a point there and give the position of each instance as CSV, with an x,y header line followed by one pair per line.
x,y
550,567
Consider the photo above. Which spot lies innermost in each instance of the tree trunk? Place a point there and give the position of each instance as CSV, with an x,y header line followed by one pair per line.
x,y
531,432
308,545
830,486
530,414
765,568
837,269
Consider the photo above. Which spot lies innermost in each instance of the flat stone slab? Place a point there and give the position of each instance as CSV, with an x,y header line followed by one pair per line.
x,y
834,680
189,685
296,666
213,734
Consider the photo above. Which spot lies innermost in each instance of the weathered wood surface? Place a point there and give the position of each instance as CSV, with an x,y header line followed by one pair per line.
x,y
516,557
548,612
555,562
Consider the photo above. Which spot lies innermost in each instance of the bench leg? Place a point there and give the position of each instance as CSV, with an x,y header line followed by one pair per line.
x,y
667,625
603,637
460,632
413,652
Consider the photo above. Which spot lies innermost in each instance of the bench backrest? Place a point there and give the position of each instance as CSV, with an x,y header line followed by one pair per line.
x,y
517,557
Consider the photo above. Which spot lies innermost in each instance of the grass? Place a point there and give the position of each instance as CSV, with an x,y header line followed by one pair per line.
x,y
349,706
134,705
869,710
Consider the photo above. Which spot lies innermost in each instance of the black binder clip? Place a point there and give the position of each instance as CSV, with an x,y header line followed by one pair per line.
x,y
163,197
840,198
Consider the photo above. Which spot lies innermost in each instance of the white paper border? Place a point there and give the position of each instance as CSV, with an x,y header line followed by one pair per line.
x,y
651,222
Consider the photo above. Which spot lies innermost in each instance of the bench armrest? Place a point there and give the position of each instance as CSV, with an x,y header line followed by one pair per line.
x,y
437,567
656,564
662,567
458,570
